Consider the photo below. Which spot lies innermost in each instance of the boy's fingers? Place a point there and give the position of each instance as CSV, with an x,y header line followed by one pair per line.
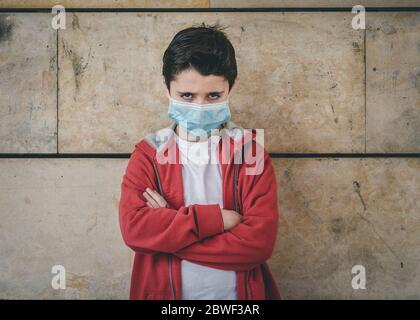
x,y
157,197
150,200
152,195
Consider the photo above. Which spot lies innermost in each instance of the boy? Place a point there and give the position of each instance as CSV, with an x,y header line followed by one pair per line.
x,y
202,227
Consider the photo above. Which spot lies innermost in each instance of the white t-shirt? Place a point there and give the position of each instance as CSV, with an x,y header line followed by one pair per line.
x,y
202,180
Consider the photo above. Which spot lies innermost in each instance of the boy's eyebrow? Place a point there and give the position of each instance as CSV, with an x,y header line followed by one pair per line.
x,y
211,92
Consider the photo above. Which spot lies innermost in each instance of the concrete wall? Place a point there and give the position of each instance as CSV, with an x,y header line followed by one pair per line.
x,y
312,82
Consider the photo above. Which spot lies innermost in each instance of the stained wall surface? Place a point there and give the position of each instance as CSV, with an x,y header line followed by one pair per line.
x,y
312,82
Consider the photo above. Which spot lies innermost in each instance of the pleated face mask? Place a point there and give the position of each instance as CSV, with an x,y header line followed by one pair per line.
x,y
198,119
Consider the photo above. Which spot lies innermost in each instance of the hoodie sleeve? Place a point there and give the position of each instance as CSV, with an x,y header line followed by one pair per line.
x,y
153,230
252,241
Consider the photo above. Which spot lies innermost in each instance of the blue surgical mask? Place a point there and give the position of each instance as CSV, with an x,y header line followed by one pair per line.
x,y
198,119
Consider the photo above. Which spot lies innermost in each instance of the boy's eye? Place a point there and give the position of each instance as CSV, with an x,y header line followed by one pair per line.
x,y
214,96
186,95
189,96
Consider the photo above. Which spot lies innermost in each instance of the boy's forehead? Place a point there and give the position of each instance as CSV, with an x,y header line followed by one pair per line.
x,y
192,80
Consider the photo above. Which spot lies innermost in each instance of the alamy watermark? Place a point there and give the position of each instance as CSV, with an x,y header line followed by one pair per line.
x,y
359,277
358,21
58,280
59,20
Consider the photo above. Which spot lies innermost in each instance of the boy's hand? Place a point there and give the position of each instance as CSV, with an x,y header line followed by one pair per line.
x,y
230,218
154,199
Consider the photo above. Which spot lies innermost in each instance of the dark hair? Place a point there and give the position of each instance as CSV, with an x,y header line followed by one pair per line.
x,y
204,48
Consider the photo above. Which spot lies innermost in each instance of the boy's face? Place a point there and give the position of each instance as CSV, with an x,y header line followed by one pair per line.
x,y
191,86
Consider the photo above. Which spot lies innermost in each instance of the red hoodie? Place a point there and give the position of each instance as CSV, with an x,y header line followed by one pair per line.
x,y
162,237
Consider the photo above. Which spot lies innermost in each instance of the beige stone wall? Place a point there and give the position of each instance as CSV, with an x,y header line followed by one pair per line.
x,y
312,82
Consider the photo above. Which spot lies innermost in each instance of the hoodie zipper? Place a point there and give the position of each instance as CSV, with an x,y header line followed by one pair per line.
x,y
169,255
235,187
236,204
170,277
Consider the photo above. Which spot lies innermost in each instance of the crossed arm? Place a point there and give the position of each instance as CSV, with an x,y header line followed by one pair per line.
x,y
154,200
200,233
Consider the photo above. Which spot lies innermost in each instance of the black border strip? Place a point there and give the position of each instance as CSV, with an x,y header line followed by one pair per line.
x,y
272,155
268,9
